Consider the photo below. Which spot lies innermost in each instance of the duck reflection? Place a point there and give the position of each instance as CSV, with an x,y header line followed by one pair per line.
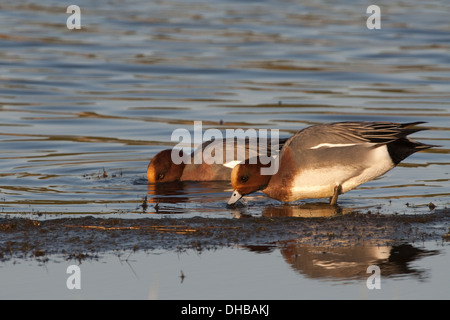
x,y
171,197
163,198
170,192
346,263
305,210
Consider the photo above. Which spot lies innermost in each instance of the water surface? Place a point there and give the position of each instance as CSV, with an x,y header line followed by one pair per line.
x,y
83,111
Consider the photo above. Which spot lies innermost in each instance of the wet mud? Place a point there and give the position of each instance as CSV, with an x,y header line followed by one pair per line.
x,y
89,237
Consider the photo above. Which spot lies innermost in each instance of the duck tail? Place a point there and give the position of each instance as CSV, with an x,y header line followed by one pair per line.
x,y
410,128
404,147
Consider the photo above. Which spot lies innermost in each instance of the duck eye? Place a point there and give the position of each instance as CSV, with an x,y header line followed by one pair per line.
x,y
244,178
161,176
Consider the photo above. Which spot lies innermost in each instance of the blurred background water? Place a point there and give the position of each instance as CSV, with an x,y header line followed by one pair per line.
x,y
83,111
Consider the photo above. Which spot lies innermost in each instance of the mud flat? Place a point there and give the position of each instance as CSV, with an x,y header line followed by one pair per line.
x,y
89,237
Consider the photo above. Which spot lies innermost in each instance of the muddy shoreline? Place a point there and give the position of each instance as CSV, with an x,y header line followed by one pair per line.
x,y
89,237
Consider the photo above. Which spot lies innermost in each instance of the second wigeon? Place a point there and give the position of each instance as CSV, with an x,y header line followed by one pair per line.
x,y
162,169
326,160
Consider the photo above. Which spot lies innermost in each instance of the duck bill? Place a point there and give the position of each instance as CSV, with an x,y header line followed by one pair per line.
x,y
234,197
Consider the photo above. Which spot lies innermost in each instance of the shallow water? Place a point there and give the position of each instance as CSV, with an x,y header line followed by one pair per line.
x,y
270,273
83,111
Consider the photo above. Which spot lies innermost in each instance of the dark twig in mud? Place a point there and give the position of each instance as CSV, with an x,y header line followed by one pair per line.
x,y
144,204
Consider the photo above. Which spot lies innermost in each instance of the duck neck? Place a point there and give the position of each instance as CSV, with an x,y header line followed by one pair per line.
x,y
280,183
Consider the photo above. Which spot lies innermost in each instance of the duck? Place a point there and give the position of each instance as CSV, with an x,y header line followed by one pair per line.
x,y
327,160
213,164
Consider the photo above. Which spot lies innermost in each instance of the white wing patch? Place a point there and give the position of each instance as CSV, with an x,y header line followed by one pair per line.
x,y
232,164
333,145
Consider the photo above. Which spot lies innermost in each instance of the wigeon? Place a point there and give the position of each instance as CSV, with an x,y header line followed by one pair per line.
x,y
213,166
327,160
